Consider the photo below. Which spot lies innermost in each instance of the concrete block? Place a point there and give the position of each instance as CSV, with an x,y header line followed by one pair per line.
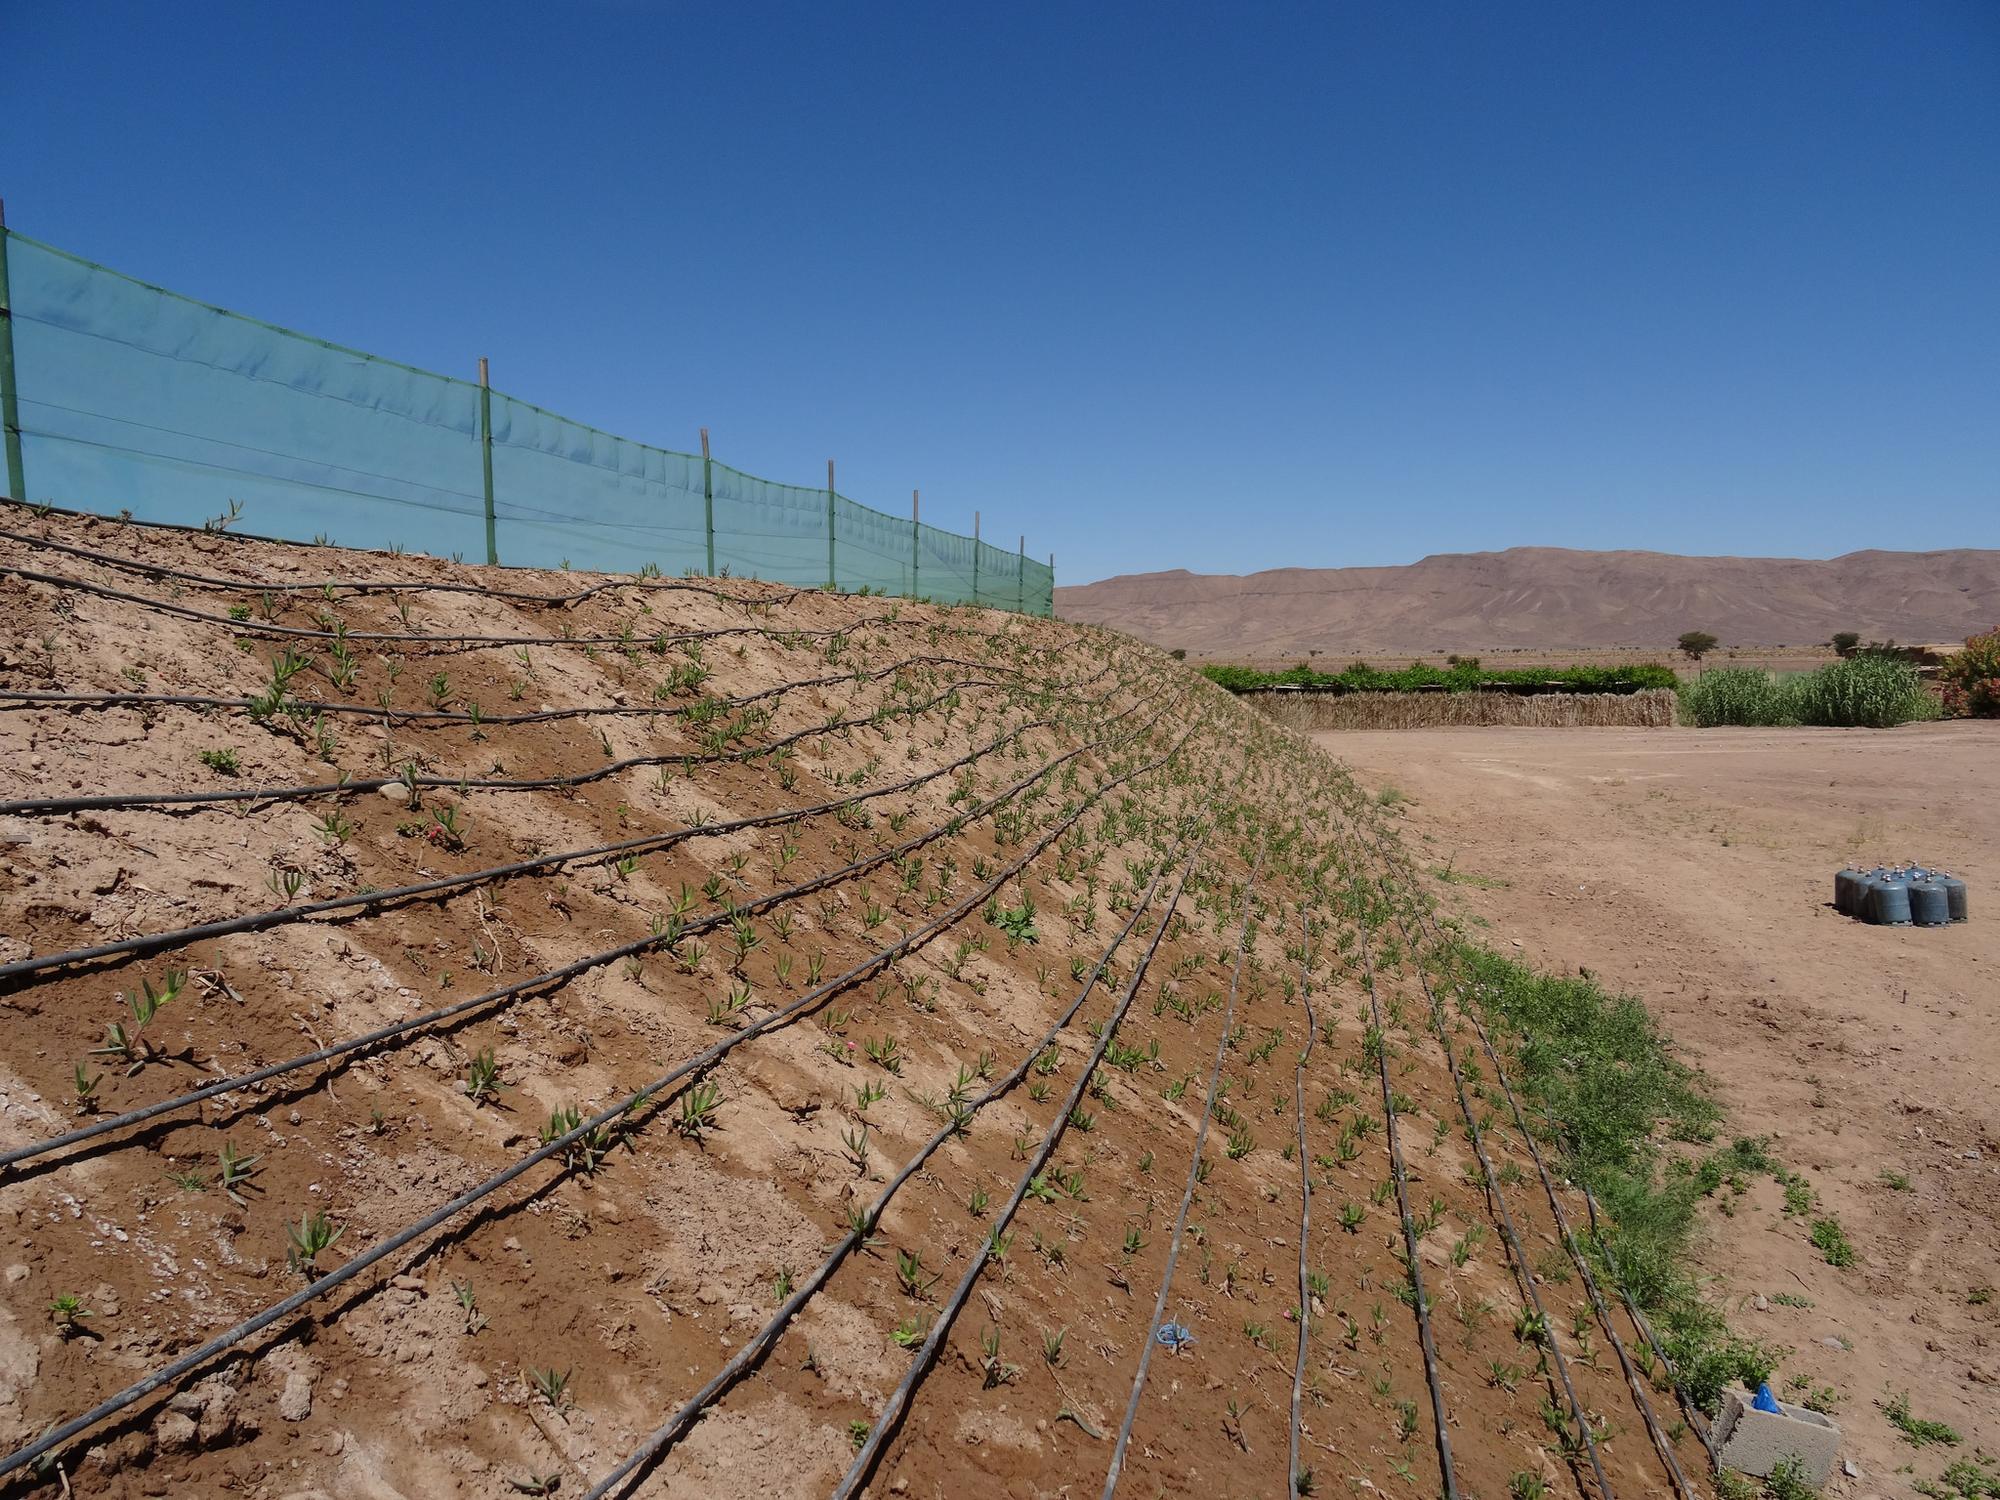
x,y
1756,1442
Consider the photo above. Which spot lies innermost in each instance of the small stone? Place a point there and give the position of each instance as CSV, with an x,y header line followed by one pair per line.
x,y
295,1402
16,1274
396,792
1850,1468
1760,1302
406,1283
174,1432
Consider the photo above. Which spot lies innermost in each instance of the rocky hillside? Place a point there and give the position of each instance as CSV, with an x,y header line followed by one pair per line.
x,y
1548,597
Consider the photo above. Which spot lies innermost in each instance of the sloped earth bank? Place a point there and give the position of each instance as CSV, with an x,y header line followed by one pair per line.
x,y
643,1036
1694,869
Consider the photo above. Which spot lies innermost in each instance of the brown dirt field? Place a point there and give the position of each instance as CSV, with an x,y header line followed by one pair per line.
x,y
1694,869
841,814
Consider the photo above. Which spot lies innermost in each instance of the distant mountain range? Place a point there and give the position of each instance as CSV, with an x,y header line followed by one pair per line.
x,y
1550,597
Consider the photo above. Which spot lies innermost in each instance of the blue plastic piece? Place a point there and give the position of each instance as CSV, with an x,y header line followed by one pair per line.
x,y
1172,1337
1765,1401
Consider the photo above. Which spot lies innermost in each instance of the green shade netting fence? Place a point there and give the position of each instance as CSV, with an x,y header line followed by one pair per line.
x,y
133,398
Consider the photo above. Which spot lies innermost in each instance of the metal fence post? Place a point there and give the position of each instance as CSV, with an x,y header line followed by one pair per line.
x,y
1021,579
708,500
486,457
916,532
975,557
831,576
10,401
1052,585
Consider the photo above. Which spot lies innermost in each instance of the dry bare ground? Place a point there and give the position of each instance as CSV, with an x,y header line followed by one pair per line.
x,y
635,1036
1694,870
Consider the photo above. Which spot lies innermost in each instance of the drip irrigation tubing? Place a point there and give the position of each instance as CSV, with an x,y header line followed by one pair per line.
x,y
369,586
1411,1255
889,1419
1497,1199
647,1100
1146,1345
656,1444
536,982
1292,1469
348,786
443,717
1577,1257
412,638
646,843
1575,1251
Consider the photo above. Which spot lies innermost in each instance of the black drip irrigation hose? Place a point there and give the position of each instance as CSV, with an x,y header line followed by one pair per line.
x,y
414,638
1581,1261
348,786
369,586
889,1420
656,1444
512,991
1425,1342
285,915
633,1112
1497,1200
1293,1470
435,718
1116,1468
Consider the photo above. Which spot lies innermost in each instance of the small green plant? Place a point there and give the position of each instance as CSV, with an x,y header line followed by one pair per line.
x,y
552,1385
1918,1432
235,1172
1831,1241
223,761
308,1239
69,1312
1052,1346
698,1107
482,1078
1523,1485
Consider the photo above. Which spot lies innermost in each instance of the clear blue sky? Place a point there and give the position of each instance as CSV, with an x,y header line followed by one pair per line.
x,y
1226,287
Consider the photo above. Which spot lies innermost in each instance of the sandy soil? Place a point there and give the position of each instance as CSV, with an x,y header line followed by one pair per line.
x,y
842,797
1695,869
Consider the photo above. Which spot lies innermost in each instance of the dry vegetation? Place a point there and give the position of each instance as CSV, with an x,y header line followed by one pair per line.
x,y
637,1036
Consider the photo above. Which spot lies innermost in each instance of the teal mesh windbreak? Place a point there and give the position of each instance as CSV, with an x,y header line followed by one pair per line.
x,y
132,398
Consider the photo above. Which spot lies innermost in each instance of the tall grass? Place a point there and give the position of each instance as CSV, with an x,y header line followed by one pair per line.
x,y
1865,692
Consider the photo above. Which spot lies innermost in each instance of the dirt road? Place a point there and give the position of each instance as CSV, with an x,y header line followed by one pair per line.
x,y
1695,869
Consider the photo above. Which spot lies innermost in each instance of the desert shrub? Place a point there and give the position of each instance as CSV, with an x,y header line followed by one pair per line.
x,y
1865,692
1971,680
1736,695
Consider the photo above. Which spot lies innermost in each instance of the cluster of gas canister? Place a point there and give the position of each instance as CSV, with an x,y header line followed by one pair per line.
x,y
1900,895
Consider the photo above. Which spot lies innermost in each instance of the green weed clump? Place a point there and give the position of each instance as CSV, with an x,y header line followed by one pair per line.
x,y
1863,692
1594,1069
1735,695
